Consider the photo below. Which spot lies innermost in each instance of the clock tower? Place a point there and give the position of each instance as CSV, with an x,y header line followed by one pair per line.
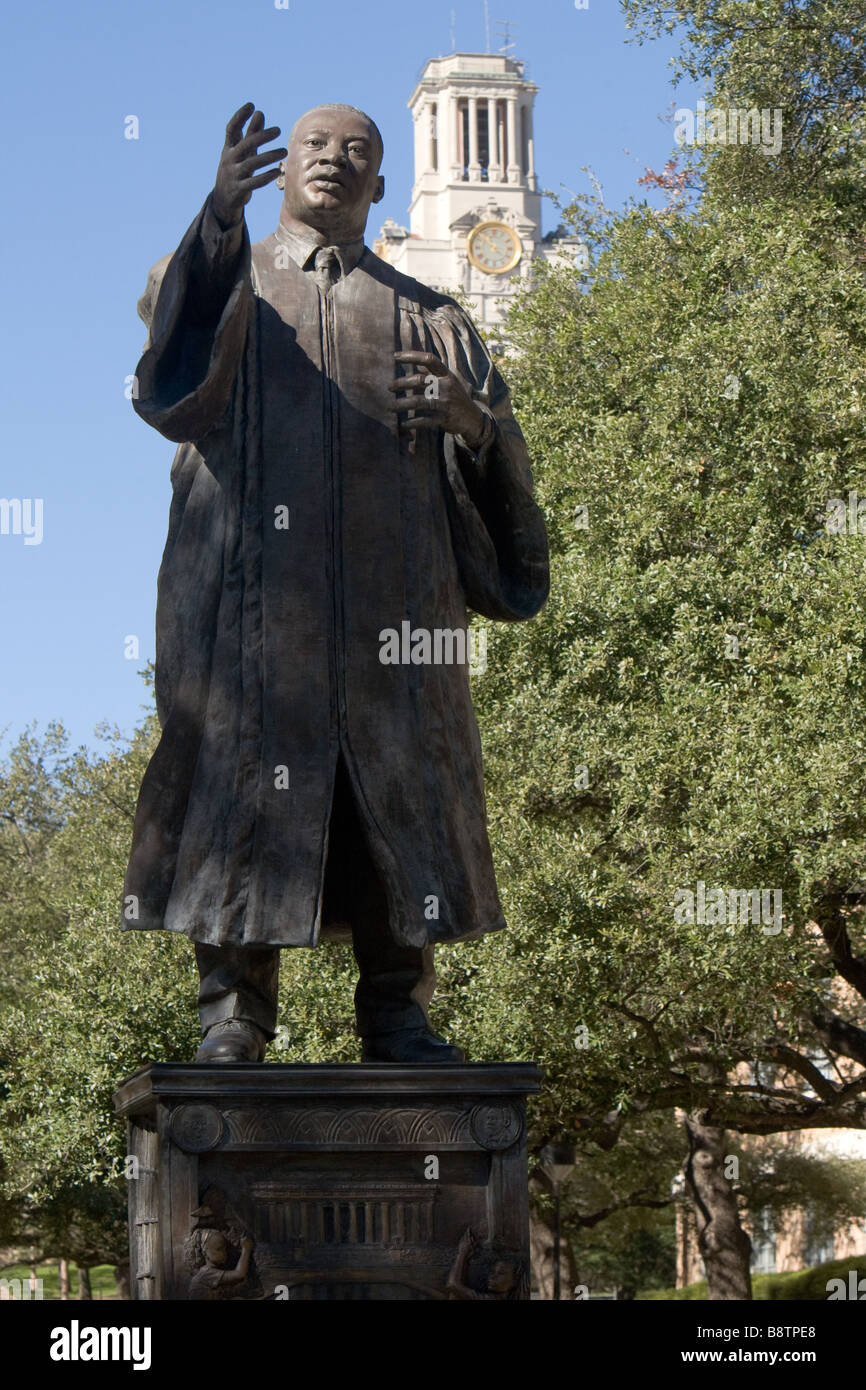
x,y
475,212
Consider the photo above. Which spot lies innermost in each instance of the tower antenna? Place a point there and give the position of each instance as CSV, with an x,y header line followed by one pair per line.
x,y
508,43
487,25
451,31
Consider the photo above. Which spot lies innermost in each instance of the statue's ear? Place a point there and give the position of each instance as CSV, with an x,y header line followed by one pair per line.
x,y
280,180
380,190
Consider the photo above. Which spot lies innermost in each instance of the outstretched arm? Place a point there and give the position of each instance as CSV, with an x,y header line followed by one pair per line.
x,y
196,304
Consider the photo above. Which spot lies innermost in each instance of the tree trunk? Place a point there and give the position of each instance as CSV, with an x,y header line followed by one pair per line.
x,y
64,1279
724,1245
84,1289
121,1281
541,1254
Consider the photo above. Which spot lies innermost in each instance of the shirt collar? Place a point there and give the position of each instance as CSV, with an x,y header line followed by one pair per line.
x,y
303,247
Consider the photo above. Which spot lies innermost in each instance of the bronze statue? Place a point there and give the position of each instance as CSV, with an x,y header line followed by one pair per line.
x,y
316,773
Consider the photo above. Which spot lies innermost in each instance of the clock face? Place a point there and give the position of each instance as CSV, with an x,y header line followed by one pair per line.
x,y
494,248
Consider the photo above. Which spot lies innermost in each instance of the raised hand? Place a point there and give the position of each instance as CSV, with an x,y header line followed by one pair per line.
x,y
237,178
468,1240
440,395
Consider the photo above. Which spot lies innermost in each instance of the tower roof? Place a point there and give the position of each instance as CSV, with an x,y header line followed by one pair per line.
x,y
490,68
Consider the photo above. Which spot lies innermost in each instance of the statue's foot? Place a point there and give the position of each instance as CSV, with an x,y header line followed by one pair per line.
x,y
234,1040
414,1045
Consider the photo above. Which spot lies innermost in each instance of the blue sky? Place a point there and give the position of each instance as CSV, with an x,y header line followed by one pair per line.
x,y
88,211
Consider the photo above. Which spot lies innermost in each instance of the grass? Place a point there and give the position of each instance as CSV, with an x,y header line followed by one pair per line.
x,y
101,1279
808,1284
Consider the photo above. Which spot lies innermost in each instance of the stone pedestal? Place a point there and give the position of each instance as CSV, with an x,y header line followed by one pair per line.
x,y
339,1182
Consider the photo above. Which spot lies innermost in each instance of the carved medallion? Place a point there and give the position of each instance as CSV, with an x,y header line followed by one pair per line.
x,y
196,1128
495,1126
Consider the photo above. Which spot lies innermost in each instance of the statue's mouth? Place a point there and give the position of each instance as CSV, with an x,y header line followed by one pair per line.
x,y
326,181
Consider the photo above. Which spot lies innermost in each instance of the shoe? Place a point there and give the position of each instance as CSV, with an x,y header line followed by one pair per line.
x,y
234,1040
412,1045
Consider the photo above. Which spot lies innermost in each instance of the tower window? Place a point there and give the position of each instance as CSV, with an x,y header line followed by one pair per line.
x,y
483,142
463,137
504,151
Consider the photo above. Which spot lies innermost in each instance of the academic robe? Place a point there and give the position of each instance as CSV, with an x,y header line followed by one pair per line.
x,y
302,526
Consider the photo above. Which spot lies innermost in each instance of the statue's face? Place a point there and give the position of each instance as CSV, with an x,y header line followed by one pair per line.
x,y
332,170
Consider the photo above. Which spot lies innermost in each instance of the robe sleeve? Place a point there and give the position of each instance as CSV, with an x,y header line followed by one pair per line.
x,y
498,530
196,306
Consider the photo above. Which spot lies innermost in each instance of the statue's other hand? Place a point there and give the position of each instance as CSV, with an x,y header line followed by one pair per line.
x,y
237,177
440,396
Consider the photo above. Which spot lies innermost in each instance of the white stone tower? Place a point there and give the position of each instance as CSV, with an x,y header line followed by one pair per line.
x,y
475,214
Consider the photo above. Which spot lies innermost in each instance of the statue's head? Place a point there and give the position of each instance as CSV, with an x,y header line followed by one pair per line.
x,y
215,1247
330,175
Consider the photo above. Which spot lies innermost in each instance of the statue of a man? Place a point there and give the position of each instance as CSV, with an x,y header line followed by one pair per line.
x,y
319,769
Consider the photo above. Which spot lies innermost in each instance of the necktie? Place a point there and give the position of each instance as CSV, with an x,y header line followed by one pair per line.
x,y
327,268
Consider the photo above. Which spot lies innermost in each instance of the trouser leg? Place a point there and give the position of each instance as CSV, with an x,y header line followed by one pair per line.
x,y
238,982
395,982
